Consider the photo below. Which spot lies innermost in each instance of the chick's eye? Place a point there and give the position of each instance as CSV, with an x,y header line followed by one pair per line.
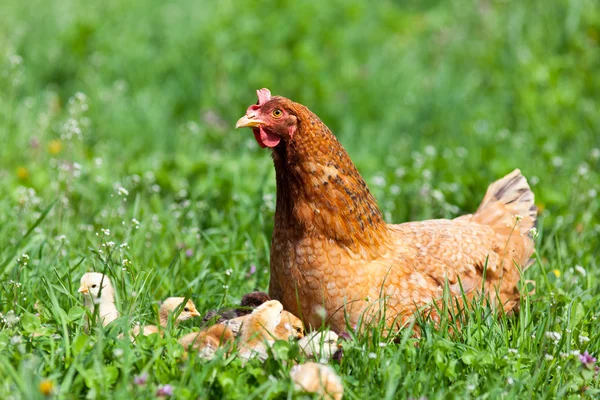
x,y
94,286
186,309
277,113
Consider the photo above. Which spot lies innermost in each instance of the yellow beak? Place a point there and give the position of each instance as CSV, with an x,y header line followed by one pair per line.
x,y
195,313
248,122
83,288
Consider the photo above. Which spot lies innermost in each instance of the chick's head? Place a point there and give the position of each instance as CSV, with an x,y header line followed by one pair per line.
x,y
172,303
96,285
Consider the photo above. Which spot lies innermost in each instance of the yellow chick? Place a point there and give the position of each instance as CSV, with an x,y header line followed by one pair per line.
x,y
168,307
317,378
98,292
256,333
319,344
289,326
207,341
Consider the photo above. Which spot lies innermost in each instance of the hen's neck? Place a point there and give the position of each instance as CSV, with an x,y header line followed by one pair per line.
x,y
321,194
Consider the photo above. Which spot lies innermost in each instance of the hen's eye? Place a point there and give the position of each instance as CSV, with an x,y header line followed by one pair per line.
x,y
186,309
277,113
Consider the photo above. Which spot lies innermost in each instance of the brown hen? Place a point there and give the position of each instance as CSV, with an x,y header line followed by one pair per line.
x,y
332,253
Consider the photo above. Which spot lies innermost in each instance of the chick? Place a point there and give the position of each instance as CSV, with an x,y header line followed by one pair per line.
x,y
207,341
98,292
318,378
289,326
319,344
256,333
168,307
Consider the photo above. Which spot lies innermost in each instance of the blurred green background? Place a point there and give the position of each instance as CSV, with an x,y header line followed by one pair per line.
x,y
120,115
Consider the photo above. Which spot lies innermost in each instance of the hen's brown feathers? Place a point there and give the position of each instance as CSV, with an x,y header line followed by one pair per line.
x,y
332,252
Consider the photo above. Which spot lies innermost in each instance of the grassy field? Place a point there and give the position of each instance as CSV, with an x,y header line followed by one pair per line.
x,y
118,154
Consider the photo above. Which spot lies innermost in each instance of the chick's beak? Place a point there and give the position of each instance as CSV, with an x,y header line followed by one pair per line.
x,y
83,288
248,121
194,313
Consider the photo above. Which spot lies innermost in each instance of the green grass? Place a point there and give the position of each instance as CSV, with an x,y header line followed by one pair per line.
x,y
433,100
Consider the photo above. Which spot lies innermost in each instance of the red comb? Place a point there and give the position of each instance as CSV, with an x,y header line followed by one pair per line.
x,y
264,95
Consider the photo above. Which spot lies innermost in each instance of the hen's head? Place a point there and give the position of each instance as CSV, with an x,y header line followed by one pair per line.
x,y
272,119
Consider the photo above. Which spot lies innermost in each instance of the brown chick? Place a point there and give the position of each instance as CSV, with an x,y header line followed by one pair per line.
x,y
332,251
318,378
207,341
166,308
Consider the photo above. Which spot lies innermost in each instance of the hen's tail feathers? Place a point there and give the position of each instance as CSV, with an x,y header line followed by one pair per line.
x,y
509,208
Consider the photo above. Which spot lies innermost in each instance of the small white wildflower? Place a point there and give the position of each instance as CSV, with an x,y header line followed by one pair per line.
x,y
122,191
510,381
118,353
109,244
430,151
583,339
513,351
105,232
557,161
10,318
580,270
470,387
583,169
575,353
548,357
378,180
427,174
372,355
320,311
533,232
553,336
462,152
563,354
225,287
228,271
15,60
